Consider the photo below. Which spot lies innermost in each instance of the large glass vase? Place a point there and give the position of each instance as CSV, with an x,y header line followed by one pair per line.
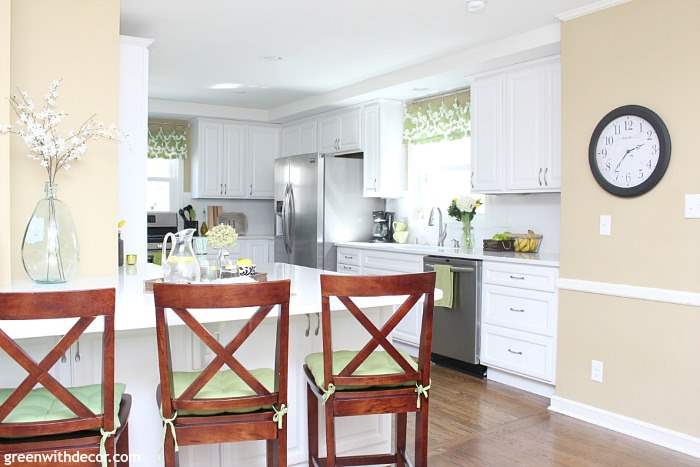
x,y
50,252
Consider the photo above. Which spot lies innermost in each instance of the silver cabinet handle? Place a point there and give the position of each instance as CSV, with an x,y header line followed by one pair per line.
x,y
517,278
77,352
318,323
308,325
375,183
539,176
348,257
514,352
471,180
546,183
517,310
251,189
221,189
64,359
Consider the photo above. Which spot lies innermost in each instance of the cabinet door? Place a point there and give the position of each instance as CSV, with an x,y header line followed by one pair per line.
x,y
260,251
552,155
309,139
329,129
487,134
233,166
525,128
263,150
209,160
371,160
350,134
291,140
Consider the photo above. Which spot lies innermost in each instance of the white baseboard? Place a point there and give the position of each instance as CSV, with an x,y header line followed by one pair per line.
x,y
655,434
526,384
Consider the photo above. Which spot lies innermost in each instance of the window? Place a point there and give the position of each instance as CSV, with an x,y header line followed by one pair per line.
x,y
163,184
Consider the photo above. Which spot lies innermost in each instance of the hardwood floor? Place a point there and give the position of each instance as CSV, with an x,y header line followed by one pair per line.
x,y
481,423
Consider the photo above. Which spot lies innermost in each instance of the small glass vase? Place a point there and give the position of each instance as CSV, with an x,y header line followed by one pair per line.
x,y
467,234
50,252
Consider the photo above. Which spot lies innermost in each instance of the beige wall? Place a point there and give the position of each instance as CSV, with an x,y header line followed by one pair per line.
x,y
639,53
78,41
4,140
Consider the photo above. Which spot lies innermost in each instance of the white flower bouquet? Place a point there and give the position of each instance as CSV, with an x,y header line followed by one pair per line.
x,y
222,236
464,208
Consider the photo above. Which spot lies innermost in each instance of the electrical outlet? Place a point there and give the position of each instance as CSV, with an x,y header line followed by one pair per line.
x,y
605,225
692,206
597,371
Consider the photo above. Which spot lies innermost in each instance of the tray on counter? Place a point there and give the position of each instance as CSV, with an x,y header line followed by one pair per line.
x,y
499,245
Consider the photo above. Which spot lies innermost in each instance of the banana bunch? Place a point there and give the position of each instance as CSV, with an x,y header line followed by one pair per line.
x,y
527,244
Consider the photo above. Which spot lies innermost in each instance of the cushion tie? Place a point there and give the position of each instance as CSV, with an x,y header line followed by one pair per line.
x,y
103,442
327,393
422,391
278,417
168,423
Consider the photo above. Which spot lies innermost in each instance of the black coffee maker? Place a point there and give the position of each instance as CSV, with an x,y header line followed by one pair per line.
x,y
383,227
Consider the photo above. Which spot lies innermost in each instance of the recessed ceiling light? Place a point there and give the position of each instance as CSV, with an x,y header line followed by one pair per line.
x,y
273,58
225,86
474,6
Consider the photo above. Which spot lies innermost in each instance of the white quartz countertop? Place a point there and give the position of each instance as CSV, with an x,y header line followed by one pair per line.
x,y
535,259
135,307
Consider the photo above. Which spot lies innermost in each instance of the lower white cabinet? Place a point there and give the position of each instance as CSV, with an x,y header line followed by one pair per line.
x,y
519,319
259,250
382,263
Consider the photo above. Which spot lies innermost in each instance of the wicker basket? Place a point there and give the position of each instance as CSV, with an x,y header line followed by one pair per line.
x,y
527,243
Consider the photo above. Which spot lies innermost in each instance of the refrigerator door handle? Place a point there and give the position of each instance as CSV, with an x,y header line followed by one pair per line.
x,y
285,202
292,215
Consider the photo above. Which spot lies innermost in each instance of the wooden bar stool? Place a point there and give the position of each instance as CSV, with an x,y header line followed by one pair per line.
x,y
368,382
238,404
89,420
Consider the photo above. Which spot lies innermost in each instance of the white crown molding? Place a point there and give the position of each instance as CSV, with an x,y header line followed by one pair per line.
x,y
133,40
639,429
175,109
589,9
678,297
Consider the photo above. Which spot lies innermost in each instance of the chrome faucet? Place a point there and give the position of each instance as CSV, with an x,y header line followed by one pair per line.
x,y
442,228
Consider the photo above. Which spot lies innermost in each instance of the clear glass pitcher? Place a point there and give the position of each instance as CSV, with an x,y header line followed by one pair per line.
x,y
181,265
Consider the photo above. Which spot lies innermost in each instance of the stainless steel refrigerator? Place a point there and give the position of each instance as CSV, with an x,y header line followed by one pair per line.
x,y
318,201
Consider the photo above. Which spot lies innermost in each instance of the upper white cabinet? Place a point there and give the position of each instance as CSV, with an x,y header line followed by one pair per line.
x,y
232,160
516,126
299,138
340,132
384,151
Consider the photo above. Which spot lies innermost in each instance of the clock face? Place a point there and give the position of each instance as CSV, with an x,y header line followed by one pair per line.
x,y
629,151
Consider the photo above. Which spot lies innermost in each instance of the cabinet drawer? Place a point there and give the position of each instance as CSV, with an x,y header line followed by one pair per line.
x,y
349,269
524,277
394,262
525,310
519,352
346,256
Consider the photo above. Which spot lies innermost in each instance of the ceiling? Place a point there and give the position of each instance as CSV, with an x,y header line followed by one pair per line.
x,y
325,45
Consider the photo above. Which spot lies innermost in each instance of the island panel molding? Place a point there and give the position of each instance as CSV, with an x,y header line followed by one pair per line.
x,y
678,297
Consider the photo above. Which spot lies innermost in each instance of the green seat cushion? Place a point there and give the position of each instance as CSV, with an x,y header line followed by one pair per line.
x,y
42,406
224,385
377,363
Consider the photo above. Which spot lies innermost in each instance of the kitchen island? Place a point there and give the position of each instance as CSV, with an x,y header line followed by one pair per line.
x,y
137,366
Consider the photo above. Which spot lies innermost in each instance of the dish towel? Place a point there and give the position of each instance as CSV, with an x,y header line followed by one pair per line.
x,y
444,280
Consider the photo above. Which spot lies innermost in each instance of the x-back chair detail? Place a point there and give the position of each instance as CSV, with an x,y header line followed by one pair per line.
x,y
395,384
81,424
255,412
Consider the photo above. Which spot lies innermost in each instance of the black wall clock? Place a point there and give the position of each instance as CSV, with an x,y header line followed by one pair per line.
x,y
629,151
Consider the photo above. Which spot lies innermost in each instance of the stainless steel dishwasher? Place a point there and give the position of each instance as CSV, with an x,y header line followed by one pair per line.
x,y
456,330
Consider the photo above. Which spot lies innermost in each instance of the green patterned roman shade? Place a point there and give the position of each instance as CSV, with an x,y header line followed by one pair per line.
x,y
440,118
168,139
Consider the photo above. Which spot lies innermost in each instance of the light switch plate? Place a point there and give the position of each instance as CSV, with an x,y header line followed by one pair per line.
x,y
597,371
605,224
692,206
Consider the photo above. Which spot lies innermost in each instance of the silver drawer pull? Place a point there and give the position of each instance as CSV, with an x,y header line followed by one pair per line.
x,y
348,257
517,278
517,310
514,352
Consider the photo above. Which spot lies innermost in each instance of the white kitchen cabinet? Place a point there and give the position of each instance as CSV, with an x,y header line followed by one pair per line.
x,y
488,152
232,160
519,319
263,149
340,132
384,170
516,126
256,249
299,138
